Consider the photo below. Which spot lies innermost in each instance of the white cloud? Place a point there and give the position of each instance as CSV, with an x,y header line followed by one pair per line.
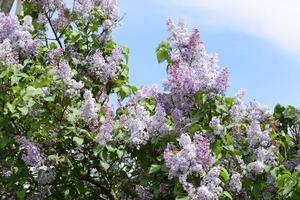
x,y
277,21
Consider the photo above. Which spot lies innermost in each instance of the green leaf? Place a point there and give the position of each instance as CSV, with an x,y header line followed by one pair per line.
x,y
105,165
154,168
224,175
23,110
20,194
10,107
162,53
78,140
53,45
226,194
53,157
4,141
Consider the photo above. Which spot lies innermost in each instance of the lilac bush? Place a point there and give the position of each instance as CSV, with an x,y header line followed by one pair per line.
x,y
61,137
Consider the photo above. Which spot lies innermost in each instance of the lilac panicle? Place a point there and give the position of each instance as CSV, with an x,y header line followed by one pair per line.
x,y
89,109
194,156
238,110
32,157
193,69
105,132
102,69
16,38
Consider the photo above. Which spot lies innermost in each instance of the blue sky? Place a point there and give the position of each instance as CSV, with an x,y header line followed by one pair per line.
x,y
268,69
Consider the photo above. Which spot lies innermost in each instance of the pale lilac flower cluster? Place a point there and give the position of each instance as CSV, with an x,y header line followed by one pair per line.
x,y
238,110
105,132
147,92
64,72
194,70
62,19
158,123
55,56
33,156
194,156
111,9
107,68
215,124
235,183
260,143
209,188
143,193
136,123
89,109
139,122
15,38
83,7
256,137
45,175
108,7
49,5
258,112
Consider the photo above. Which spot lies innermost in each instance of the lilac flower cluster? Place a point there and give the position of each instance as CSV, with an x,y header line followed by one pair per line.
x,y
209,188
15,39
139,122
89,109
64,72
45,175
193,69
258,112
260,141
158,123
143,193
194,156
215,124
136,123
102,68
235,183
108,7
238,110
32,157
105,132
49,5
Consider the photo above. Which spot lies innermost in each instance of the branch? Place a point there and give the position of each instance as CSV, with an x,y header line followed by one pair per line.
x,y
108,192
54,32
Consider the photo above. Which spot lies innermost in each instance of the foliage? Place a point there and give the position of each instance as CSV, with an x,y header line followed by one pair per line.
x,y
62,138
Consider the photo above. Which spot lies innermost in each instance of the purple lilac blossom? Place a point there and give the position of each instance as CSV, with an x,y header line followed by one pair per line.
x,y
32,157
238,109
105,132
16,38
193,69
104,69
89,109
194,156
136,123
143,193
258,112
235,183
215,124
209,188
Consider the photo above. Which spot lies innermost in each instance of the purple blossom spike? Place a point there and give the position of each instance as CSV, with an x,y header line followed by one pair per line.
x,y
32,157
89,109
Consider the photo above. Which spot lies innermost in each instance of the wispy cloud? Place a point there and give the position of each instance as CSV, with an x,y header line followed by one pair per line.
x,y
274,20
